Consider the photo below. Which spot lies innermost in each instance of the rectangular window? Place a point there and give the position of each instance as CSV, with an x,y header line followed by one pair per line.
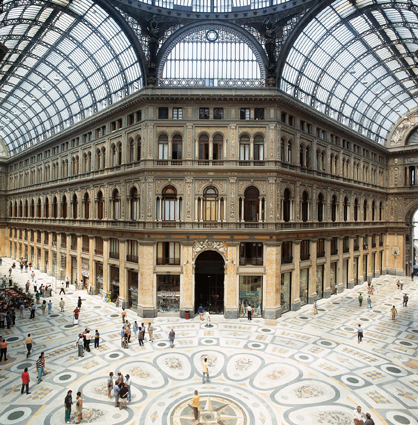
x,y
177,113
132,251
85,243
203,113
304,285
176,149
99,246
163,113
304,250
251,254
346,244
168,293
168,253
334,246
163,150
250,293
320,248
259,113
218,113
244,114
114,248
287,253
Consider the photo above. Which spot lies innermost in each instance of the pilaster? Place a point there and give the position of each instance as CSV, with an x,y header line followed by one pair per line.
x,y
295,296
123,283
327,269
146,288
272,306
312,272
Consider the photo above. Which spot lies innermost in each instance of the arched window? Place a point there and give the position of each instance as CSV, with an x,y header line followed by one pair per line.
x,y
258,148
218,147
365,210
308,157
39,208
25,211
86,202
134,204
177,147
282,151
323,162
355,209
119,154
305,207
75,206
318,162
244,148
32,209
100,205
211,207
116,204
103,158
46,208
169,207
64,207
289,152
345,208
380,211
131,157
373,211
301,155
98,158
138,148
55,207
320,207
11,209
20,209
334,208
163,146
113,153
251,204
286,206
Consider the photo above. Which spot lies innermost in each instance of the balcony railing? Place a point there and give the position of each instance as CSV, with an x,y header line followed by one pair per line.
x,y
114,255
98,251
334,251
304,257
132,258
320,254
73,247
356,247
85,249
346,249
373,244
287,259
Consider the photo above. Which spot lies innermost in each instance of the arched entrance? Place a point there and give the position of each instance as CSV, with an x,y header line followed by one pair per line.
x,y
209,282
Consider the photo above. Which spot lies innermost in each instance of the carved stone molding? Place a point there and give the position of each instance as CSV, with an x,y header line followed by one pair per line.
x,y
199,247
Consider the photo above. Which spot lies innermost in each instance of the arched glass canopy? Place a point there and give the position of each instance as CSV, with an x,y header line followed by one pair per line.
x,y
355,61
66,60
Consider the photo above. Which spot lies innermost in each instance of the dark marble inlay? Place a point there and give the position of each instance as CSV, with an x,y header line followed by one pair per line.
x,y
393,369
401,419
15,415
353,380
64,377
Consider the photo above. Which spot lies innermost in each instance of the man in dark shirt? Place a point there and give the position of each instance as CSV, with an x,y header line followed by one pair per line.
x,y
369,420
123,395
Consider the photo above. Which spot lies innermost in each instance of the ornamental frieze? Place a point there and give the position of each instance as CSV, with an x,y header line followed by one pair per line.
x,y
201,246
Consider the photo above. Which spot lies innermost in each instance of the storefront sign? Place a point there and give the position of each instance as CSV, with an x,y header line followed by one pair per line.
x,y
85,274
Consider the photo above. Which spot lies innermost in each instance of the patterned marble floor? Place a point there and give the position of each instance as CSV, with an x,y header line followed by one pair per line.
x,y
298,370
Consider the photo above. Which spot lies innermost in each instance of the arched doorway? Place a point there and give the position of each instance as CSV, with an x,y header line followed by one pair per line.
x,y
209,282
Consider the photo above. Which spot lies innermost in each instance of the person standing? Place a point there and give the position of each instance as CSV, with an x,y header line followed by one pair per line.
x,y
195,405
405,300
205,371
123,314
249,311
28,344
394,312
360,300
62,305
43,363
25,381
62,290
109,384
401,284
140,337
207,318
123,395
358,416
135,329
79,407
43,307
335,289
315,307
172,336
22,310
39,368
3,349
27,286
32,311
49,306
2,317
116,389
80,343
79,303
76,315
201,311
68,401
32,275
150,332
369,420
369,302
128,383
359,333
67,282
88,339
96,339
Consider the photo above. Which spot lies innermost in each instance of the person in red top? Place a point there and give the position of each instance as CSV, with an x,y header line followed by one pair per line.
x,y
76,313
25,381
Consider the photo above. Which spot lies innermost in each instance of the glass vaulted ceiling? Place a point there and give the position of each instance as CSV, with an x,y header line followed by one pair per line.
x,y
66,61
355,61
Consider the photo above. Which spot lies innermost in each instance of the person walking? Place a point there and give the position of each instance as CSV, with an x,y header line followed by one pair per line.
x,y
405,300
25,381
68,401
79,407
39,368
205,371
369,420
123,395
150,332
201,311
401,284
28,344
32,311
140,337
27,285
67,282
3,349
116,389
110,384
128,383
135,329
360,300
315,307
358,416
123,314
172,336
369,302
76,315
43,307
49,306
62,290
207,318
32,275
62,305
22,311
359,333
394,312
87,339
43,363
79,303
96,339
80,343
249,311
195,405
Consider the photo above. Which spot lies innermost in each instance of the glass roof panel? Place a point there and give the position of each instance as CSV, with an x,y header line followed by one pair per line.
x,y
365,60
76,56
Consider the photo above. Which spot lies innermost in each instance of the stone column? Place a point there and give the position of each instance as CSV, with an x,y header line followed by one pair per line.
x,y
272,307
9,239
146,287
295,296
106,285
312,273
340,265
327,269
92,269
360,260
231,283
79,248
123,282
369,257
42,252
68,257
187,283
350,265
49,271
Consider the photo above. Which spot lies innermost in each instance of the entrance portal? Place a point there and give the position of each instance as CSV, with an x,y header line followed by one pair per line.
x,y
209,282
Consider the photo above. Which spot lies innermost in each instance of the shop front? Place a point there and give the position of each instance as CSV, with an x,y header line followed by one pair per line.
x,y
85,273
99,278
46,258
251,292
38,259
133,288
285,291
319,281
168,294
73,269
333,276
304,285
114,283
